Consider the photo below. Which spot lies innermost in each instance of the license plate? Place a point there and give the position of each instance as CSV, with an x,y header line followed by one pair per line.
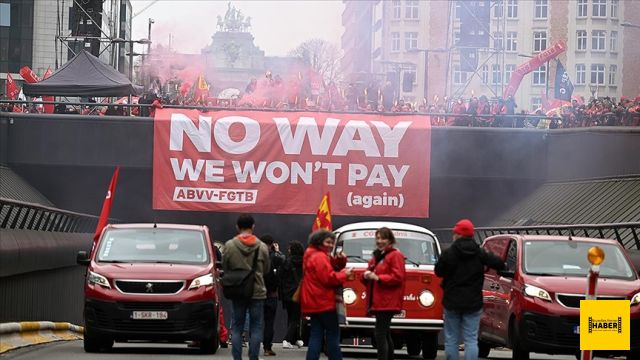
x,y
149,315
401,315
576,329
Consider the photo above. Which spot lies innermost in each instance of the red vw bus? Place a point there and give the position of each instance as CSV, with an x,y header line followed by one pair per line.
x,y
151,282
417,326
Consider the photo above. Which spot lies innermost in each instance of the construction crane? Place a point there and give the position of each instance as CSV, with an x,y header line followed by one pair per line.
x,y
144,8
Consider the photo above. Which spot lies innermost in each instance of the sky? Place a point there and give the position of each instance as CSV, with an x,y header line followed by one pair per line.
x,y
278,26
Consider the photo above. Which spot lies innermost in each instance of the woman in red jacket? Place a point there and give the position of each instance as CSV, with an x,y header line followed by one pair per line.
x,y
384,279
322,274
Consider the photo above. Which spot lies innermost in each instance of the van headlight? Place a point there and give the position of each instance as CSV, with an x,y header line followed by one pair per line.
x,y
635,300
204,280
534,291
97,279
426,298
349,296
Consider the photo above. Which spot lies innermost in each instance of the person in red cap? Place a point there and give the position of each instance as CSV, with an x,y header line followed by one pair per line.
x,y
461,268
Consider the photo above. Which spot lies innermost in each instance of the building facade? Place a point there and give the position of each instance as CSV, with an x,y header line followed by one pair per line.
x,y
416,44
47,33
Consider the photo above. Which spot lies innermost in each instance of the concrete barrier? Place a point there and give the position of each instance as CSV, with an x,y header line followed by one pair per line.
x,y
20,334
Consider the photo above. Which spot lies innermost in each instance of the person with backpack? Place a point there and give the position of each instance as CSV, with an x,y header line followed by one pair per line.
x,y
271,282
290,275
245,261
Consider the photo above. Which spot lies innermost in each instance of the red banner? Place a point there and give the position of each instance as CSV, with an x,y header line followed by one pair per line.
x,y
12,88
272,162
106,205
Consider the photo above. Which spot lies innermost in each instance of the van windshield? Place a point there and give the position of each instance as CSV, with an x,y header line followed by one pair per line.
x,y
417,248
174,246
569,258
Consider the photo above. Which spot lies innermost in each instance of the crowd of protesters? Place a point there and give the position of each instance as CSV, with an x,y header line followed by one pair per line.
x,y
306,94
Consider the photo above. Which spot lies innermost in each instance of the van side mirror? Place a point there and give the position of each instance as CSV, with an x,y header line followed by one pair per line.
x,y
82,258
507,273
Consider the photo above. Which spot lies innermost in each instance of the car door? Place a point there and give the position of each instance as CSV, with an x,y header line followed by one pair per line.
x,y
497,246
502,289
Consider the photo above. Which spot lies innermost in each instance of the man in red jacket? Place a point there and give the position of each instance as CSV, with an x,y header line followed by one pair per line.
x,y
322,274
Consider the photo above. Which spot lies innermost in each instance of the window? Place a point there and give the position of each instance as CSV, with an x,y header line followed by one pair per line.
x,y
410,40
512,9
540,75
539,41
484,74
597,40
512,257
540,9
396,9
512,41
395,41
536,103
613,42
459,77
614,9
495,74
583,8
612,74
508,71
411,9
456,37
497,40
581,44
581,74
498,9
599,8
458,10
5,14
597,74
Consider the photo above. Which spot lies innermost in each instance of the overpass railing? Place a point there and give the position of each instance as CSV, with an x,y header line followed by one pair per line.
x,y
627,234
21,215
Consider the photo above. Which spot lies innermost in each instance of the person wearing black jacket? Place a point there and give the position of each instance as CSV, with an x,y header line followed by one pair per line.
x,y
461,267
271,282
290,274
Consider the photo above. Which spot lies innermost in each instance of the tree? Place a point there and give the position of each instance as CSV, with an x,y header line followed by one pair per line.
x,y
323,57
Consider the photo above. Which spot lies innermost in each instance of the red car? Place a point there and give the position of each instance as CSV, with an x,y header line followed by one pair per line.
x,y
534,304
421,319
153,282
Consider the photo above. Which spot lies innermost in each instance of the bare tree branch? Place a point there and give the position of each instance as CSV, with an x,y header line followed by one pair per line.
x,y
322,56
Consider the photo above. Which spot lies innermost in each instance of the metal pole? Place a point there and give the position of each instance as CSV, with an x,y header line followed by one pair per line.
x,y
594,272
130,71
547,84
426,77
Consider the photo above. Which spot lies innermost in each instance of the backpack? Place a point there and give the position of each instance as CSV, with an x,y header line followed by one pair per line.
x,y
238,284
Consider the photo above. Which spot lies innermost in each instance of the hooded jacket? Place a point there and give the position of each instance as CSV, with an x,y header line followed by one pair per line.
x,y
318,290
461,267
239,253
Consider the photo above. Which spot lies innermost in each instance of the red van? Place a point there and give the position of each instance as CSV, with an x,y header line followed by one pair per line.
x,y
418,325
152,282
534,304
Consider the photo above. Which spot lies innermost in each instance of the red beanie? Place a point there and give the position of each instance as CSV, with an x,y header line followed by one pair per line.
x,y
464,228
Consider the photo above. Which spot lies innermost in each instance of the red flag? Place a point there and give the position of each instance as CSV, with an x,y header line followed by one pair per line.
x,y
48,108
106,206
12,88
323,216
47,73
28,75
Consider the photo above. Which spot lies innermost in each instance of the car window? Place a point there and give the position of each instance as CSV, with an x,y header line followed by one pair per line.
x,y
496,246
512,256
569,258
418,248
153,245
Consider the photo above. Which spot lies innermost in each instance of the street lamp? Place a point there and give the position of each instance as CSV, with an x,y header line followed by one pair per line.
x,y
426,68
131,54
628,24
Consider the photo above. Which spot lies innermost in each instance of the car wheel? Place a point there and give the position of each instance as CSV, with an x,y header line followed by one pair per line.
x,y
413,346
210,345
518,347
483,349
93,344
430,346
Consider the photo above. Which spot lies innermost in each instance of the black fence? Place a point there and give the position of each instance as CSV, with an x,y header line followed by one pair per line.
x,y
627,234
27,216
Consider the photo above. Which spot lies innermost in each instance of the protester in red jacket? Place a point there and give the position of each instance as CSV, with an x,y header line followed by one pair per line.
x,y
384,279
320,279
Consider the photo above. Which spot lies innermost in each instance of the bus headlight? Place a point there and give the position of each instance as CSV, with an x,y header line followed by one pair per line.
x,y
426,298
349,296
